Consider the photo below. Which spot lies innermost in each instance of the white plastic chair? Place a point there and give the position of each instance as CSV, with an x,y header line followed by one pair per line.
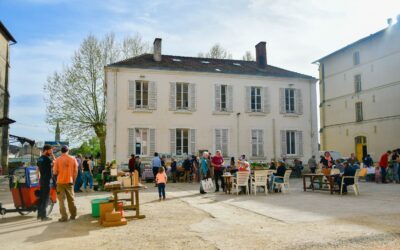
x,y
285,182
241,180
355,185
260,180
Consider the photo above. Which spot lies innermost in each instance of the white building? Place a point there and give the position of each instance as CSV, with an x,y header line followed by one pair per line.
x,y
183,105
360,95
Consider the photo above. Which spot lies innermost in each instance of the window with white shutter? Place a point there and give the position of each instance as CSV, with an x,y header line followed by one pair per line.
x,y
257,143
131,94
266,101
289,101
290,142
192,95
182,141
152,147
152,96
182,96
222,141
283,143
299,143
140,141
172,96
223,98
193,142
248,99
256,99
299,102
141,95
172,141
131,141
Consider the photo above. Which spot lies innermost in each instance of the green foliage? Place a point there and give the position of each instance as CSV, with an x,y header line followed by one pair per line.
x,y
90,147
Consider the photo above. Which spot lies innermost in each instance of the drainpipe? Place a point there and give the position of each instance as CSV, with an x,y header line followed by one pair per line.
x,y
273,138
115,115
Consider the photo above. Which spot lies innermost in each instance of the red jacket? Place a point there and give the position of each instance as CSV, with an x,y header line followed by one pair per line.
x,y
384,161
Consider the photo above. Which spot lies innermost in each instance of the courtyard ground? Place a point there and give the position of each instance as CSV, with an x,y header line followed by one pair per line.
x,y
294,220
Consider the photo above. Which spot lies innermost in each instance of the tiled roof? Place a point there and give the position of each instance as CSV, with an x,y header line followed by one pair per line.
x,y
210,65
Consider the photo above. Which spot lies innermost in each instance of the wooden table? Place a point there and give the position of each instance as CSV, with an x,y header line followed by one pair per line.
x,y
313,177
228,183
134,199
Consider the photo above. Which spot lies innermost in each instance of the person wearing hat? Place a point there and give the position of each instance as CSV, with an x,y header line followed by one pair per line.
x,y
66,169
44,164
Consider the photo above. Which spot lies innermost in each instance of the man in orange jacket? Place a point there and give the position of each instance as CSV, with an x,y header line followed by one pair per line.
x,y
66,169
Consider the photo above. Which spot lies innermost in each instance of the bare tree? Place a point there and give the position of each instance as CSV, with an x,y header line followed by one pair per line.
x,y
76,96
134,46
248,56
217,52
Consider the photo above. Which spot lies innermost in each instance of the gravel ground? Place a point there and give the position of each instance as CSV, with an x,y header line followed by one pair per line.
x,y
294,220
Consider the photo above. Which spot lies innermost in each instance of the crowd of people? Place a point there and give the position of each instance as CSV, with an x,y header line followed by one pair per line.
x,y
71,173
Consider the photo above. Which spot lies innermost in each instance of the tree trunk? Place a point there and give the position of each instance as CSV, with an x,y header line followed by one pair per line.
x,y
100,130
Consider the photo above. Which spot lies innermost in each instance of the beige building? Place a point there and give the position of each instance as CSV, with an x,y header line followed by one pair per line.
x,y
360,95
5,40
183,105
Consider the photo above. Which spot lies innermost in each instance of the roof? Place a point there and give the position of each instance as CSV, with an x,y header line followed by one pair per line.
x,y
209,65
6,33
362,40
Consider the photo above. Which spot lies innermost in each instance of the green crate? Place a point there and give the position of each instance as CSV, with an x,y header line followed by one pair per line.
x,y
96,206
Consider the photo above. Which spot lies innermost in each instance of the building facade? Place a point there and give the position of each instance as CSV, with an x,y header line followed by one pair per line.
x,y
179,106
360,95
5,40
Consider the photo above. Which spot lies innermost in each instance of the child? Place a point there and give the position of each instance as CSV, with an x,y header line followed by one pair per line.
x,y
377,174
161,180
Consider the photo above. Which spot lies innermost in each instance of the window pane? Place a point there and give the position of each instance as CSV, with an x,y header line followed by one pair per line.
x,y
258,100
138,94
293,143
185,100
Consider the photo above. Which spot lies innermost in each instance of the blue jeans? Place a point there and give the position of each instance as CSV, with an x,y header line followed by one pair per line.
x,y
78,182
161,190
87,177
383,174
396,172
271,181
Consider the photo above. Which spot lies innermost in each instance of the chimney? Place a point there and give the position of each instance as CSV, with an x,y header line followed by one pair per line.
x,y
261,55
157,50
389,21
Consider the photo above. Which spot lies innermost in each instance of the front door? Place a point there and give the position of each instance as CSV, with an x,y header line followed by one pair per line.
x,y
361,147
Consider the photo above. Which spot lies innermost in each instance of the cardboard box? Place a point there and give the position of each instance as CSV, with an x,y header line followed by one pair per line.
x,y
115,223
113,216
104,208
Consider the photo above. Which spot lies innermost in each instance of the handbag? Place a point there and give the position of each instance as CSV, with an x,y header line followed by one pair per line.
x,y
207,185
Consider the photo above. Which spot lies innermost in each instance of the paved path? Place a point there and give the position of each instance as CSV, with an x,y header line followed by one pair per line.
x,y
294,220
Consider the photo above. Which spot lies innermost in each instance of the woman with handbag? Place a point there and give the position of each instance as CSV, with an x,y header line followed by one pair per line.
x,y
203,171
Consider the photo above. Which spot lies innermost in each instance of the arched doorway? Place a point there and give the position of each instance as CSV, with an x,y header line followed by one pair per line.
x,y
361,147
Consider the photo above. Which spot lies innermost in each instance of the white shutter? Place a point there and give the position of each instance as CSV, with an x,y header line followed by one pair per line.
x,y
282,101
131,141
193,141
253,135
152,141
218,135
172,141
192,95
283,143
152,96
172,96
132,90
230,98
217,97
299,143
260,142
266,101
224,142
299,102
248,99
